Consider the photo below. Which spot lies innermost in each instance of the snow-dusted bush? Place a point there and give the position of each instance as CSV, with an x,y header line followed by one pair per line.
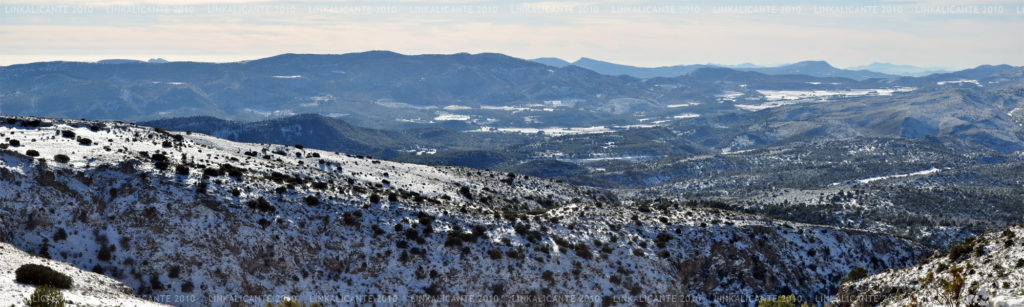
x,y
39,275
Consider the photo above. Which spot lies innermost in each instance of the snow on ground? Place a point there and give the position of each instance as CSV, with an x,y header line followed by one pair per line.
x,y
961,81
919,173
775,95
88,288
990,272
449,116
455,107
551,131
1016,112
110,194
778,98
686,115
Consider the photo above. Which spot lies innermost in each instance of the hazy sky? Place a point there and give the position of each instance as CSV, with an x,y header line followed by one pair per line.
x,y
948,34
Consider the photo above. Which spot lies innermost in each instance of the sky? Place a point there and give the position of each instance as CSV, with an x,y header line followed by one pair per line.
x,y
940,33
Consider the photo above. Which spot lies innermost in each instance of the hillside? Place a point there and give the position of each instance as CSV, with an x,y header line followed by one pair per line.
x,y
332,134
986,271
89,289
177,213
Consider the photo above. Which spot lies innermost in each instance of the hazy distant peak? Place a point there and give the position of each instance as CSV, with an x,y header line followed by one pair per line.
x,y
552,61
118,61
897,69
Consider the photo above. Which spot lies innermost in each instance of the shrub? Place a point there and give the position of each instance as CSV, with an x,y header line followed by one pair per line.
x,y
464,191
583,251
312,201
46,296
210,172
187,287
105,253
67,134
261,204
351,218
60,235
494,253
181,170
856,274
662,239
375,198
174,272
454,239
161,165
154,282
638,252
15,143
962,250
62,158
84,142
424,218
548,275
32,153
34,274
952,288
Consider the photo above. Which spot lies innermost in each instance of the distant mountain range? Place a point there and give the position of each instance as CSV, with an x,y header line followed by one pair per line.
x,y
902,70
810,68
387,90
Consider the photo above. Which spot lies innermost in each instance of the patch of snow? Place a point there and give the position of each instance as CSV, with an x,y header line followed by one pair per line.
x,y
961,81
449,116
457,107
552,131
924,172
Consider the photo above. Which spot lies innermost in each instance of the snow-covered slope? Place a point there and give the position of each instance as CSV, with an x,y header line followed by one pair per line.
x,y
89,289
987,271
196,220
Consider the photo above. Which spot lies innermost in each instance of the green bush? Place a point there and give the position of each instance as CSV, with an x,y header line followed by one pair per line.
x,y
46,296
34,274
962,250
856,274
62,158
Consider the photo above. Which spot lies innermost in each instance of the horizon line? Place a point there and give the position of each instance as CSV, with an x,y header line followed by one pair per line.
x,y
240,58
